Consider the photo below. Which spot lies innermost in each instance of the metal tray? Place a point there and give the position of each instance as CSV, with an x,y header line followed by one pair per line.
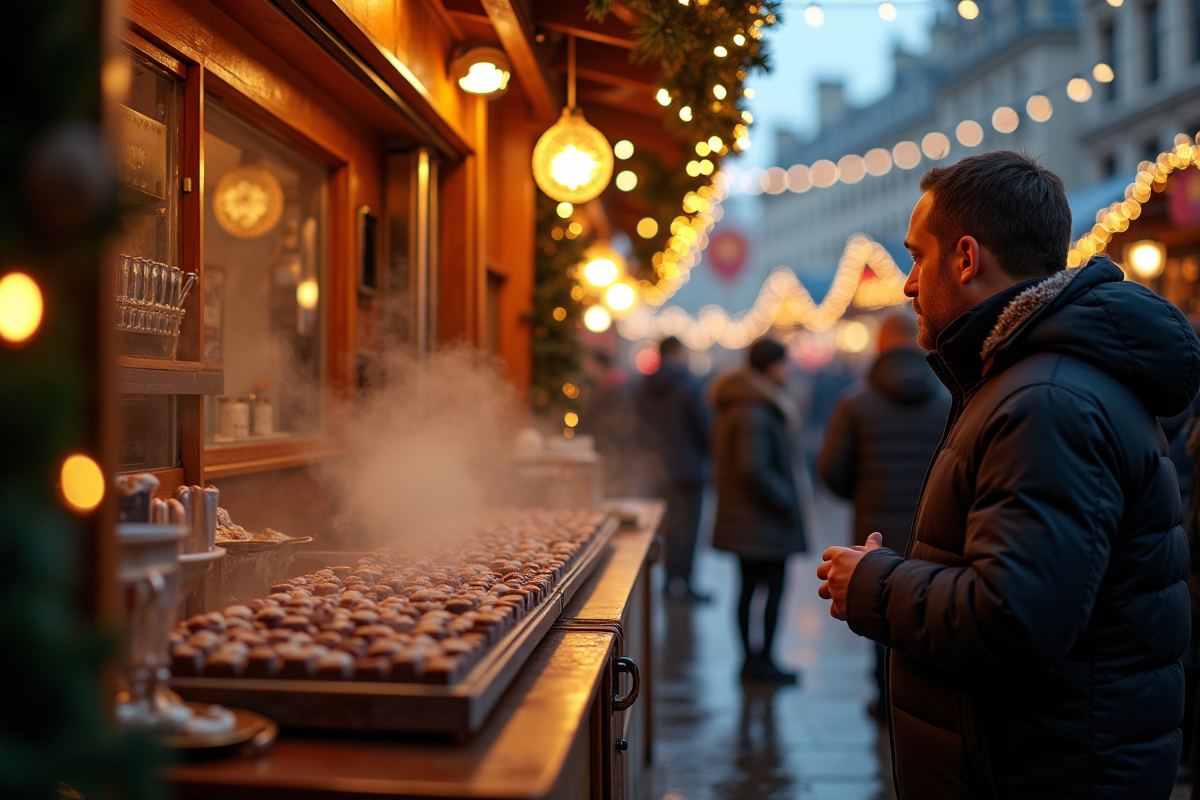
x,y
454,711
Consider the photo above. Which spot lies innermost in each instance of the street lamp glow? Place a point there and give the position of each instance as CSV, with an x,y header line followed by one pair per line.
x,y
620,297
1146,259
887,12
81,482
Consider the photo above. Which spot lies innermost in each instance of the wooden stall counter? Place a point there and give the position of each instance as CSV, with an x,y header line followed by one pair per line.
x,y
538,743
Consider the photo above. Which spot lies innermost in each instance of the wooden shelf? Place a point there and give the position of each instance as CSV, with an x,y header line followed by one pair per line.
x,y
227,460
166,376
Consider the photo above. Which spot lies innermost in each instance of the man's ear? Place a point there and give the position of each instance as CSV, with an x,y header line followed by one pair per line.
x,y
966,257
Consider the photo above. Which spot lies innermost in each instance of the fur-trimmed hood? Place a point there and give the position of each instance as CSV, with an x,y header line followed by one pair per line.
x,y
748,385
1094,315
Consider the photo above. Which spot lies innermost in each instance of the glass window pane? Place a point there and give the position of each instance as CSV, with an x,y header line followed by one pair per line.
x,y
265,245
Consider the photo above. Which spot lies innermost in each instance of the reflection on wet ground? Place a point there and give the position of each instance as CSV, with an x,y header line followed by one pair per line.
x,y
718,740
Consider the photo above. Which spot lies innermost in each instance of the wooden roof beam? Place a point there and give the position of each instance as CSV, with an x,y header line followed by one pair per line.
x,y
571,18
514,35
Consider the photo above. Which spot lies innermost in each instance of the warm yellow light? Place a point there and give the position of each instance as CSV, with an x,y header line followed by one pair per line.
x,y
853,336
693,168
82,482
647,227
1079,90
596,319
738,39
715,144
627,180
720,52
564,210
1039,108
967,9
1005,119
1103,73
969,133
1146,258
484,78
620,297
571,390
623,149
719,92
576,293
600,272
813,15
685,113
702,149
706,167
936,145
20,307
307,294
575,229
1115,3
748,94
572,161
663,97
571,419
887,12
560,313
743,142
906,154
747,117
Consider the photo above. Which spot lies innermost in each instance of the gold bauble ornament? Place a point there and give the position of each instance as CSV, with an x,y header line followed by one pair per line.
x,y
572,161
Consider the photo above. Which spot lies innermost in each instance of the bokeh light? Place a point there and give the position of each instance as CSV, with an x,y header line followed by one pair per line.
x,y
308,293
1005,119
851,169
798,179
620,297
775,180
600,272
968,9
20,307
623,149
564,210
936,145
814,16
571,419
906,154
663,97
877,161
1103,73
627,180
647,227
597,320
969,133
1079,90
1039,108
824,173
887,12
647,360
82,482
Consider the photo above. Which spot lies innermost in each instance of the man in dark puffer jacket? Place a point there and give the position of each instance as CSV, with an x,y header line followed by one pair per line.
x,y
1037,620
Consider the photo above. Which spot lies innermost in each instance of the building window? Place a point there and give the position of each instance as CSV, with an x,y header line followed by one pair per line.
x,y
1150,31
1108,47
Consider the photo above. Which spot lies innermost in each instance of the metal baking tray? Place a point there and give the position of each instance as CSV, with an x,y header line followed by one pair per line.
x,y
453,711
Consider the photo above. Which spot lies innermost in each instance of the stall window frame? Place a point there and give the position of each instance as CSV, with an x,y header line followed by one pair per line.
x,y
200,463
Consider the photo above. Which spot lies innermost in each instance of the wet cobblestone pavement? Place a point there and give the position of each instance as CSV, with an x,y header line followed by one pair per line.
x,y
718,740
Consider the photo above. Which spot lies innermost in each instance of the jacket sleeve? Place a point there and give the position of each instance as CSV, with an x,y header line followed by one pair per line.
x,y
752,447
699,419
836,464
1048,495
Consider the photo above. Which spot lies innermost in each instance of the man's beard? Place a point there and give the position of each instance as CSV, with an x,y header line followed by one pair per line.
x,y
938,308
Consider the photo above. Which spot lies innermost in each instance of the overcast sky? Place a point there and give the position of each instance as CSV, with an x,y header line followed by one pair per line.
x,y
854,44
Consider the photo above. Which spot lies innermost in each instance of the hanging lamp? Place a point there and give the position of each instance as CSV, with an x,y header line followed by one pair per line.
x,y
572,161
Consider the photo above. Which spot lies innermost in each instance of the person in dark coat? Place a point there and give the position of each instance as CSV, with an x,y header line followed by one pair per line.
x,y
675,425
1037,618
758,504
610,416
879,442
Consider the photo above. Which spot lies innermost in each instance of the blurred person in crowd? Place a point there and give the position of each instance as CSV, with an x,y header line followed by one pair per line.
x,y
759,518
879,441
675,426
610,416
1037,621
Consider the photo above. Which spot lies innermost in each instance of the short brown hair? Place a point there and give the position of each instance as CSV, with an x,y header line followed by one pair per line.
x,y
1010,203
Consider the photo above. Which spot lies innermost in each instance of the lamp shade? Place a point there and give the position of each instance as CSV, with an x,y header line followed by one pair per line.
x,y
483,70
572,161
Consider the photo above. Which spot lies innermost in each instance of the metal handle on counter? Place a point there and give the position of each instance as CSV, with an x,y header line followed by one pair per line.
x,y
627,665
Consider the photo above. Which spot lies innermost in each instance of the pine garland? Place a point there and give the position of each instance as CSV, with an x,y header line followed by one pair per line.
x,y
555,345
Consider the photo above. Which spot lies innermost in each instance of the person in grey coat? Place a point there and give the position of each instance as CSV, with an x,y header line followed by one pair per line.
x,y
879,442
758,504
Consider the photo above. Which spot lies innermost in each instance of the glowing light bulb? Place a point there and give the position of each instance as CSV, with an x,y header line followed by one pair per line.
x,y
484,78
1005,119
719,92
626,180
564,210
307,294
620,297
692,168
647,227
969,133
623,149
596,319
571,419
600,272
1103,73
685,113
1115,3
720,52
1146,259
715,144
702,149
748,94
82,482
663,97
572,167
20,307
968,9
738,39
747,117
1079,90
1039,108
887,12
814,16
